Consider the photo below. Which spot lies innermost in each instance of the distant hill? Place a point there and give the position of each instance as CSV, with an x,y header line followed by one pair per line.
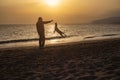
x,y
110,20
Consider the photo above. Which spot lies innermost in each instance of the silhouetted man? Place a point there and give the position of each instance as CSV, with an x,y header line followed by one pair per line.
x,y
58,31
41,31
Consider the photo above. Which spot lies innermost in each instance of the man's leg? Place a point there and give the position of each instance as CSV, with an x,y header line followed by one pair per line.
x,y
43,42
40,42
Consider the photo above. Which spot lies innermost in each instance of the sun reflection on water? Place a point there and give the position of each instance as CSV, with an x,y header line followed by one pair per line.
x,y
54,41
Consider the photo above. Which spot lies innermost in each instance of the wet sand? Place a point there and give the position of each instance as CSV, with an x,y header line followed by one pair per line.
x,y
89,60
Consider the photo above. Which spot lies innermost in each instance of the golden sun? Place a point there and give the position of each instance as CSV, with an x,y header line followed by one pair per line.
x,y
52,2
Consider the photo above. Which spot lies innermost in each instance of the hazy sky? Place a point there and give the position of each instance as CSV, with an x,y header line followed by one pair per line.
x,y
67,11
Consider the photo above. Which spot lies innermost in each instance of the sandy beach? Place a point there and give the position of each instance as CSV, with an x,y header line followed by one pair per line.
x,y
90,60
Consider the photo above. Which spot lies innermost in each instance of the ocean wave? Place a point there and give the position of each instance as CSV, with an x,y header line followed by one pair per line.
x,y
33,39
105,35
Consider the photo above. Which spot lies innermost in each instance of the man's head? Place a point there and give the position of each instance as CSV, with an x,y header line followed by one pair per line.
x,y
56,23
40,18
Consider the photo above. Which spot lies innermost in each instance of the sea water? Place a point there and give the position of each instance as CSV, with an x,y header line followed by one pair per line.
x,y
17,33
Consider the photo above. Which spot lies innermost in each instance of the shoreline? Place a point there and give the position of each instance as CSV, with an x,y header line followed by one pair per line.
x,y
82,42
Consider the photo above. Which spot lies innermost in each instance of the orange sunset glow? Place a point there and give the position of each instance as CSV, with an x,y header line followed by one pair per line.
x,y
64,11
52,2
59,39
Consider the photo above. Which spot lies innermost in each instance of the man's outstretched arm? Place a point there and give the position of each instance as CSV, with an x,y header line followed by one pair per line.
x,y
45,22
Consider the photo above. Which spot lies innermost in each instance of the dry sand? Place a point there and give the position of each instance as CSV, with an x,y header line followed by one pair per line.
x,y
95,60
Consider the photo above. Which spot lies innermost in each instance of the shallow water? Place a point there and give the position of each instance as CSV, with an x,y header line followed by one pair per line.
x,y
26,33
